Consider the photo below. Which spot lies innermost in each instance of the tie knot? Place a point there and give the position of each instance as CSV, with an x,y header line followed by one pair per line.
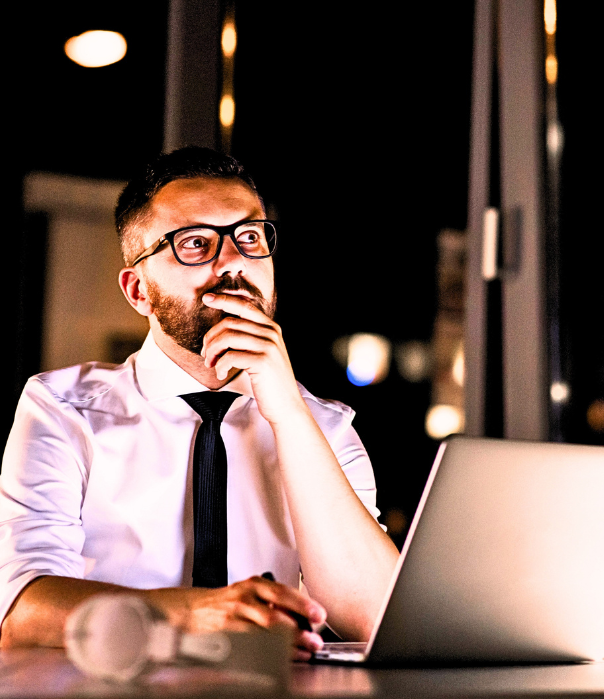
x,y
210,405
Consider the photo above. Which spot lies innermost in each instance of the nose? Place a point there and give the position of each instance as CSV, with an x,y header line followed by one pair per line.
x,y
230,261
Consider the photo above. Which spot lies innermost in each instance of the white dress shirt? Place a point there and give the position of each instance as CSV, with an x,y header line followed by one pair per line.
x,y
97,477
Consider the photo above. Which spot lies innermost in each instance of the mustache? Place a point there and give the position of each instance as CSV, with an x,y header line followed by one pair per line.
x,y
233,284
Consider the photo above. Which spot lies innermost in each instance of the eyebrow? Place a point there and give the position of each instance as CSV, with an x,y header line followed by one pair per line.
x,y
227,225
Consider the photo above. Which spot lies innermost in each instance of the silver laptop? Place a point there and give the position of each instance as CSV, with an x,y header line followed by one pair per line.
x,y
503,562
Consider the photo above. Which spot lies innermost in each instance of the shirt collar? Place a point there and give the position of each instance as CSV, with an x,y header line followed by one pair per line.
x,y
159,377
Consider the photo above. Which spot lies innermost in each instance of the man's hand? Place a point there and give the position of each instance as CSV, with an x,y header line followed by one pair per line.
x,y
38,615
252,342
243,605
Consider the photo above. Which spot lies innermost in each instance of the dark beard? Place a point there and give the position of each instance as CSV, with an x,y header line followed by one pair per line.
x,y
188,326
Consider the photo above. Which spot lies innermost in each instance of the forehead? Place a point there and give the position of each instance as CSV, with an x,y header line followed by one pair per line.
x,y
211,200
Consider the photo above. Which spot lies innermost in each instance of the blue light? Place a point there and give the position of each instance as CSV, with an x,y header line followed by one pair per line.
x,y
358,379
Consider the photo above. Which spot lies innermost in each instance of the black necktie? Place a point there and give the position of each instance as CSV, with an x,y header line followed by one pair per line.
x,y
210,489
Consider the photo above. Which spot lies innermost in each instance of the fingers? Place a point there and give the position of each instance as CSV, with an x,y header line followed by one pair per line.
x,y
305,644
288,599
263,615
262,327
249,330
235,324
237,305
256,602
228,339
239,343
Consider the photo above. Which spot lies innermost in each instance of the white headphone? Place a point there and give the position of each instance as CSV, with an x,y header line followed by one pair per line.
x,y
117,637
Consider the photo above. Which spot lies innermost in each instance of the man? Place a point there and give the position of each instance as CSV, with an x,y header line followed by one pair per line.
x,y
97,477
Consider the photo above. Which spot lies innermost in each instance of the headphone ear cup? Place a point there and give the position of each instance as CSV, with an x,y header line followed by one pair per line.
x,y
108,636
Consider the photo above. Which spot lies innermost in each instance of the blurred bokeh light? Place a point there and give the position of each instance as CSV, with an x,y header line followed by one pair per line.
x,y
443,420
550,16
459,367
414,361
365,356
229,39
551,69
95,49
559,392
595,416
555,138
227,111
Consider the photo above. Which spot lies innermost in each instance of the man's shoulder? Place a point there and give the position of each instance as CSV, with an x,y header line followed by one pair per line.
x,y
83,383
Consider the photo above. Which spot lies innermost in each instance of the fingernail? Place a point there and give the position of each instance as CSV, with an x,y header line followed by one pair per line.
x,y
317,613
315,640
208,297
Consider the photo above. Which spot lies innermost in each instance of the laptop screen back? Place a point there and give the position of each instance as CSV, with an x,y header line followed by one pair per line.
x,y
504,561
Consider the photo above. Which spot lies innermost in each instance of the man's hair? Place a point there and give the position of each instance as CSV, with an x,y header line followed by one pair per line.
x,y
134,203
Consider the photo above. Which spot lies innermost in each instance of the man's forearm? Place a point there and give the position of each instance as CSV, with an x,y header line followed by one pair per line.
x,y
346,558
38,615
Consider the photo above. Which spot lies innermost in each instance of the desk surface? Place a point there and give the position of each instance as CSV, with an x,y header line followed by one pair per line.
x,y
46,674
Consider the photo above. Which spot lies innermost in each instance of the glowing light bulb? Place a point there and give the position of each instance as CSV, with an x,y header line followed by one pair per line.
x,y
555,138
551,69
227,111
550,16
229,39
443,420
95,49
559,392
368,359
359,374
458,369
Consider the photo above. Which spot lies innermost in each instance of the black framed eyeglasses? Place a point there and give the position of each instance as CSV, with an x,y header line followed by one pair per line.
x,y
200,245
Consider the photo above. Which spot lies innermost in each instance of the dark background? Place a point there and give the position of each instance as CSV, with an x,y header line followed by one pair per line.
x,y
582,231
355,124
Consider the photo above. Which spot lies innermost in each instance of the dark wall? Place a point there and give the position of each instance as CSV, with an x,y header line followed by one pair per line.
x,y
581,229
357,125
60,117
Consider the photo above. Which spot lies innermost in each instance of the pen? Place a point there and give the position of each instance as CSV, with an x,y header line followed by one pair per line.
x,y
302,621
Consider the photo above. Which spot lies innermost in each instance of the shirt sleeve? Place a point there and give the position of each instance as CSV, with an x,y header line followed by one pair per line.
x,y
42,487
355,463
335,420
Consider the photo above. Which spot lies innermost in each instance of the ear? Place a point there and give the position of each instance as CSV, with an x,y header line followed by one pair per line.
x,y
134,291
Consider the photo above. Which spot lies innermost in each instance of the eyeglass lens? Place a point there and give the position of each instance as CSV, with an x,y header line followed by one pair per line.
x,y
253,239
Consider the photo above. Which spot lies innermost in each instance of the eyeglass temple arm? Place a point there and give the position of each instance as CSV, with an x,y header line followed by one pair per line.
x,y
149,251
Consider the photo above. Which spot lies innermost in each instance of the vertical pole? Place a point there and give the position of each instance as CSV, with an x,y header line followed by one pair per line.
x,y
521,134
192,74
480,139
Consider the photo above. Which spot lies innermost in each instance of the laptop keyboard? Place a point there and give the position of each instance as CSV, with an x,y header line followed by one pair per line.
x,y
350,652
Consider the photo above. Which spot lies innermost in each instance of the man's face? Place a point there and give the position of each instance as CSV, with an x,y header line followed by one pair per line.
x,y
175,290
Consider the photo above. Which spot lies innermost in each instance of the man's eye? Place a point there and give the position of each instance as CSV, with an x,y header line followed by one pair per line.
x,y
191,242
248,238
